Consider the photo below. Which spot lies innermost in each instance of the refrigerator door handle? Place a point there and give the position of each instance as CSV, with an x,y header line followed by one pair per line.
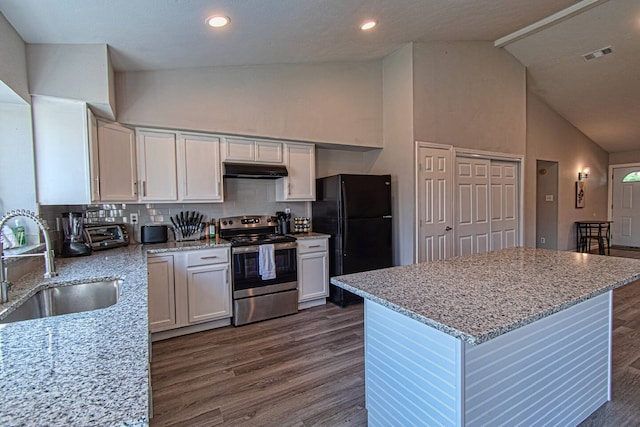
x,y
345,238
343,211
345,203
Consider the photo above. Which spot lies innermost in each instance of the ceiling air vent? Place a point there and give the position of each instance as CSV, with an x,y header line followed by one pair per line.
x,y
597,53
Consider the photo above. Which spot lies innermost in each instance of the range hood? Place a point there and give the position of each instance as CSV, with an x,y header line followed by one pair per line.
x,y
241,170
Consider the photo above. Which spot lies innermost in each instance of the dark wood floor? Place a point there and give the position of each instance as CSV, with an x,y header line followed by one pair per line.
x,y
308,369
301,370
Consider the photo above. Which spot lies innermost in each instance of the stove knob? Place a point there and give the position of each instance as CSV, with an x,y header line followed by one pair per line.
x,y
269,219
224,222
230,222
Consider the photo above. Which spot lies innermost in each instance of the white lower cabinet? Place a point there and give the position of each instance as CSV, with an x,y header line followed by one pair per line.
x,y
196,286
313,272
161,294
209,292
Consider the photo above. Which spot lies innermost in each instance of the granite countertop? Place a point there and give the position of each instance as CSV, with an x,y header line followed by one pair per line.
x,y
479,297
186,246
310,235
87,368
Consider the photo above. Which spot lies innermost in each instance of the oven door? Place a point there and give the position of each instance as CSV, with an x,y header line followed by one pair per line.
x,y
246,279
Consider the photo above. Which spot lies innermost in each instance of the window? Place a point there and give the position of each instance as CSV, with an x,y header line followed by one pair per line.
x,y
632,177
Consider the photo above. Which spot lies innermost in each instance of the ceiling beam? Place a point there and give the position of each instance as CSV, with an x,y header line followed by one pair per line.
x,y
549,21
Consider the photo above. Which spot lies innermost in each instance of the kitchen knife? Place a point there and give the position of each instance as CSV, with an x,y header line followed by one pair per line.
x,y
192,222
175,227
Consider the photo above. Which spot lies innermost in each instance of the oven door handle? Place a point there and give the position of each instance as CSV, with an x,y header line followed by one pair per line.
x,y
256,248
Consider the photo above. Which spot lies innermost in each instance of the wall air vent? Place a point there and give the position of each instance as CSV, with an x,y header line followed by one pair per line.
x,y
597,53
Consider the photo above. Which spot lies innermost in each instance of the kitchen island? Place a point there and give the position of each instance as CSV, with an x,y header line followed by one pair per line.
x,y
83,369
519,336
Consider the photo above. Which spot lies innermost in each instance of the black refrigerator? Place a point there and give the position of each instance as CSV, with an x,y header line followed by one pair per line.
x,y
356,211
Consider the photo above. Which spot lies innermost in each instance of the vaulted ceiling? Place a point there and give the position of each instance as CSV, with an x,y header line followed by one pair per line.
x,y
601,97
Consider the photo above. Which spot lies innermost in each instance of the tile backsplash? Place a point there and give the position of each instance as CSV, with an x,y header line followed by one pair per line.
x,y
241,197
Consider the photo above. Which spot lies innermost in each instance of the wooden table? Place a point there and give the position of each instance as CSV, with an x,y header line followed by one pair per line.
x,y
599,230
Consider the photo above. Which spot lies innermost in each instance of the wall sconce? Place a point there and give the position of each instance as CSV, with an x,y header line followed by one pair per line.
x,y
583,174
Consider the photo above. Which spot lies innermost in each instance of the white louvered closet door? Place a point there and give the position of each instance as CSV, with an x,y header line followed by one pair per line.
x,y
486,205
504,205
473,224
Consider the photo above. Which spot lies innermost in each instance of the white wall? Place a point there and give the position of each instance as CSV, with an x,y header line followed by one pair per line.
x,y
13,66
17,177
81,72
466,94
329,102
397,156
331,161
469,94
624,157
550,137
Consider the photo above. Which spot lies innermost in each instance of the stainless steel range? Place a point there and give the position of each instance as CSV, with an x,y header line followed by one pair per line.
x,y
259,296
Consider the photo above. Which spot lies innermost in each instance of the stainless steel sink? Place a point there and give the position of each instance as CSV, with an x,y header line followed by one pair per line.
x,y
67,299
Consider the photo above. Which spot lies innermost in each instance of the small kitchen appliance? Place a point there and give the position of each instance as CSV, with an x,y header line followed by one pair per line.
x,y
255,298
153,234
106,236
73,228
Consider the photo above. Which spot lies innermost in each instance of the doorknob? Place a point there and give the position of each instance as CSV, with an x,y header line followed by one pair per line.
x,y
448,228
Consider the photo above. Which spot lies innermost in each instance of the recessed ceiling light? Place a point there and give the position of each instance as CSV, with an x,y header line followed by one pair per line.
x,y
218,21
368,25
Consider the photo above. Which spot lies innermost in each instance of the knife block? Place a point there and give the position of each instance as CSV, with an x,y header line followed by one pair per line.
x,y
180,237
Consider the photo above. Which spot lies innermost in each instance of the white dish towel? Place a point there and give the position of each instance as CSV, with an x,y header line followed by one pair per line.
x,y
267,262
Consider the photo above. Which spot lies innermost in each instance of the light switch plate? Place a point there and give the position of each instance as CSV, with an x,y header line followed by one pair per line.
x,y
548,198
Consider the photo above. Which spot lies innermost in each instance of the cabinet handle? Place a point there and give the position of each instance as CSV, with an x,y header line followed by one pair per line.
x,y
144,188
208,257
314,246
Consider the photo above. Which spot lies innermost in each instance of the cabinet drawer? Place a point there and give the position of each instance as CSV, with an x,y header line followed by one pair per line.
x,y
313,245
207,256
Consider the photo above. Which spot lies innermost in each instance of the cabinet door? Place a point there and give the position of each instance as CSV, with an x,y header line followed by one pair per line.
x,y
117,163
61,150
94,164
157,166
209,292
161,282
201,178
301,164
268,152
238,150
313,276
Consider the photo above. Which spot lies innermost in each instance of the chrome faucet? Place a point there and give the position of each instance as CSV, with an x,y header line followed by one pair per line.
x,y
49,263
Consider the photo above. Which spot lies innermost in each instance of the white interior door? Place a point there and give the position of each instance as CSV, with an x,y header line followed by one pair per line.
x,y
504,205
434,204
625,230
473,223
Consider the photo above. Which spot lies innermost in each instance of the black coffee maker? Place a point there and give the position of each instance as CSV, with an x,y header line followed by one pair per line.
x,y
284,224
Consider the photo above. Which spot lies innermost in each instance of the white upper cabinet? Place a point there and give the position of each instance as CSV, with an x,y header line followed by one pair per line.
x,y
117,177
68,145
300,184
157,166
200,168
251,151
179,167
